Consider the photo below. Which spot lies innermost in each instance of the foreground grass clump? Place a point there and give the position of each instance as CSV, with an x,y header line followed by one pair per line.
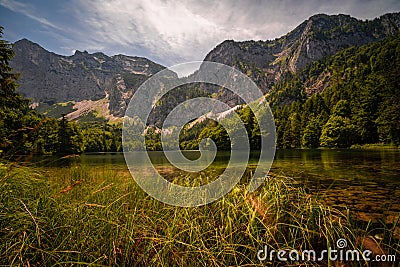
x,y
100,217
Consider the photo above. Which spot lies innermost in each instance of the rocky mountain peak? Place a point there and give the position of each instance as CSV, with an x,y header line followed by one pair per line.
x,y
51,78
266,62
79,53
27,43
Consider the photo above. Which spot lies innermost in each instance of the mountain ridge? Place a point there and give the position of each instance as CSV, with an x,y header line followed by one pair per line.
x,y
81,76
318,37
95,76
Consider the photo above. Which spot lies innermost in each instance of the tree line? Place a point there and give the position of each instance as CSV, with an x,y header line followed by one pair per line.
x,y
360,105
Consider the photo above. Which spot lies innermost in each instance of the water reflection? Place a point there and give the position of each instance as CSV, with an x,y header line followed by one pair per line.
x,y
368,182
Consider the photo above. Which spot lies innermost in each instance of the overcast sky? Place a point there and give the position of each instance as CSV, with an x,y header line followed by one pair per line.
x,y
167,32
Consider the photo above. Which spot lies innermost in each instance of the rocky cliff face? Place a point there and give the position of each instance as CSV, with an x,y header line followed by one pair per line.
x,y
266,62
51,78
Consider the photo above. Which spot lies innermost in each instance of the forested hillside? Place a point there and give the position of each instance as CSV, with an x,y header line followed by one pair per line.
x,y
351,98
358,103
348,98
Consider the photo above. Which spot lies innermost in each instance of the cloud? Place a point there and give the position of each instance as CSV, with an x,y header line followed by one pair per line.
x,y
166,30
176,31
28,11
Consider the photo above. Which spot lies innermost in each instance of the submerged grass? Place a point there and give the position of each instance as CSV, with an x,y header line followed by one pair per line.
x,y
84,215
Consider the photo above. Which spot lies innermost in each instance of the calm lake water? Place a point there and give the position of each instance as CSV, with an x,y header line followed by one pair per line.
x,y
366,181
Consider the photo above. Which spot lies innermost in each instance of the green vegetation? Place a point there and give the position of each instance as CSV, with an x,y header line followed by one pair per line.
x,y
375,146
14,110
190,137
82,215
22,130
359,105
102,137
55,110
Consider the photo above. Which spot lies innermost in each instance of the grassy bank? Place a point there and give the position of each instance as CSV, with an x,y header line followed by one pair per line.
x,y
100,217
375,146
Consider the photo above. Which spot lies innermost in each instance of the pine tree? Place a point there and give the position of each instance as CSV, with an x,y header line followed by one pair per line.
x,y
12,105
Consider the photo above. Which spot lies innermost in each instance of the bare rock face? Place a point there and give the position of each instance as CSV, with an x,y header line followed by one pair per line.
x,y
51,78
266,62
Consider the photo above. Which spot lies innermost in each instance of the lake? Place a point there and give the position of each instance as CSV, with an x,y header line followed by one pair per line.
x,y
366,181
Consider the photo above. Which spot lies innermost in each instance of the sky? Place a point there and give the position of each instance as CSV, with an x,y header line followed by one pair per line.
x,y
167,32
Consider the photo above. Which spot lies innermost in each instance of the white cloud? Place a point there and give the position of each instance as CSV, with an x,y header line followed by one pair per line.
x,y
166,30
28,11
176,31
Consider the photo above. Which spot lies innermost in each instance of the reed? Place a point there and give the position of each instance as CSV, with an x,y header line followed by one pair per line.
x,y
81,215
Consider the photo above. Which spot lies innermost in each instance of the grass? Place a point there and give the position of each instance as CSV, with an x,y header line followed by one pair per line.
x,y
375,146
55,110
81,215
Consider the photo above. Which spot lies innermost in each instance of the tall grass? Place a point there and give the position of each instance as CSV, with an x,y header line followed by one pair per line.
x,y
83,215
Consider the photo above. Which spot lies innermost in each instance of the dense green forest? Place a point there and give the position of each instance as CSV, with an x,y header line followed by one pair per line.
x,y
359,105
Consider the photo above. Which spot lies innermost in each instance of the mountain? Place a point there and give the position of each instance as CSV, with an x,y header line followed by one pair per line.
x,y
321,36
96,85
359,103
50,78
